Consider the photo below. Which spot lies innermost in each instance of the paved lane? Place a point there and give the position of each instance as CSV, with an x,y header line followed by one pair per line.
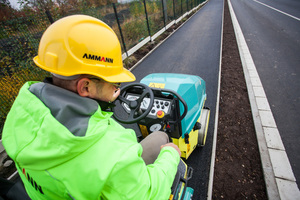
x,y
272,32
193,49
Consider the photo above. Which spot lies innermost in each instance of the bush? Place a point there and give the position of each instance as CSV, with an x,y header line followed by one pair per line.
x,y
11,80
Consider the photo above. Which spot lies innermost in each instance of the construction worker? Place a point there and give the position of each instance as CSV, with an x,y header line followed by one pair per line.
x,y
65,146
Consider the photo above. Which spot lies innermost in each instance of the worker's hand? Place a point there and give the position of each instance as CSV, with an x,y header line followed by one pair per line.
x,y
171,145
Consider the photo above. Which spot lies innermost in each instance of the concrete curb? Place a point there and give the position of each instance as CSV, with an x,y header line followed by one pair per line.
x,y
279,178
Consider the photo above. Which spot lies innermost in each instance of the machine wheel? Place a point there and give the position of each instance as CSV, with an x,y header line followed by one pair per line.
x,y
204,120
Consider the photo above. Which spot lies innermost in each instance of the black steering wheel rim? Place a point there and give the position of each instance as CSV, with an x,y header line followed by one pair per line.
x,y
135,104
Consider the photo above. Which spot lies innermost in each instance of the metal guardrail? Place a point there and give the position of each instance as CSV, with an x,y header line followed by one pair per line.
x,y
151,38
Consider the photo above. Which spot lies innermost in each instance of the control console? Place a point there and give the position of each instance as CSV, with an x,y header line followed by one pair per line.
x,y
160,106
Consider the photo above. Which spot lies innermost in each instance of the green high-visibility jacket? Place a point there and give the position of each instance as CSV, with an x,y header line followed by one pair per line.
x,y
99,159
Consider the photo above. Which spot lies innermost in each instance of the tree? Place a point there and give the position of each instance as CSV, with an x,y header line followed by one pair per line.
x,y
5,3
5,10
42,5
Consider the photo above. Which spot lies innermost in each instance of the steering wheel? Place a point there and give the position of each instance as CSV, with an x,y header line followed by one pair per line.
x,y
134,105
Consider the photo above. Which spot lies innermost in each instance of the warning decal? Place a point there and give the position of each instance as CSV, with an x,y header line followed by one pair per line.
x,y
157,85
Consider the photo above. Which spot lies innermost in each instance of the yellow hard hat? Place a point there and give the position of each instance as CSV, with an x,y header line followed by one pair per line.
x,y
81,44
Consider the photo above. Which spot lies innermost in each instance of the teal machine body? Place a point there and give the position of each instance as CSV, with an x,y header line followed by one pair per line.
x,y
190,87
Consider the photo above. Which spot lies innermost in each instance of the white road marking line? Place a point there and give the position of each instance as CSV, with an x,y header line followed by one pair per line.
x,y
214,145
278,10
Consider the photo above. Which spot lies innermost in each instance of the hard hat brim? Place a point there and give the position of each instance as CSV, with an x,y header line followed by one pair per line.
x,y
123,76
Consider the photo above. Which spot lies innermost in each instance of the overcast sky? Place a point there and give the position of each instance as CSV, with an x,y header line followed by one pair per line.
x,y
14,4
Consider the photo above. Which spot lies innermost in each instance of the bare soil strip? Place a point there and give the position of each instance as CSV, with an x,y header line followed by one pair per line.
x,y
238,172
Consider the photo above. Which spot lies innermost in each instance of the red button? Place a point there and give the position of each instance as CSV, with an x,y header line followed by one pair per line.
x,y
160,114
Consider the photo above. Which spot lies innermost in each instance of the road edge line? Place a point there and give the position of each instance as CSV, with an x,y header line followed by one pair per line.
x,y
214,146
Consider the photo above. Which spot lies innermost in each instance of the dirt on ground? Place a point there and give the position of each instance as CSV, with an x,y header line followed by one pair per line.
x,y
238,172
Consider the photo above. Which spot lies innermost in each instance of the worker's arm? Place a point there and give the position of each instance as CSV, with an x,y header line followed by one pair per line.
x,y
133,179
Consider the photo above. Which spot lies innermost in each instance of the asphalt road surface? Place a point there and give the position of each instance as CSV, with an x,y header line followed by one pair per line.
x,y
272,33
193,49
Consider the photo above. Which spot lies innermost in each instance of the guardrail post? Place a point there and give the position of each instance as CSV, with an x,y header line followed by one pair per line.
x,y
181,7
49,16
164,14
174,9
122,38
187,5
147,20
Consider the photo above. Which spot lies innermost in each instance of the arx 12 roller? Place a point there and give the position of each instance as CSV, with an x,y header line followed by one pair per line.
x,y
173,103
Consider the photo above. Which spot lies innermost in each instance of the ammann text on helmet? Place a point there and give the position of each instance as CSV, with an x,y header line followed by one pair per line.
x,y
99,58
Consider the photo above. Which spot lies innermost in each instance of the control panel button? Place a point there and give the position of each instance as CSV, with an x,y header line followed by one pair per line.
x,y
160,114
163,105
